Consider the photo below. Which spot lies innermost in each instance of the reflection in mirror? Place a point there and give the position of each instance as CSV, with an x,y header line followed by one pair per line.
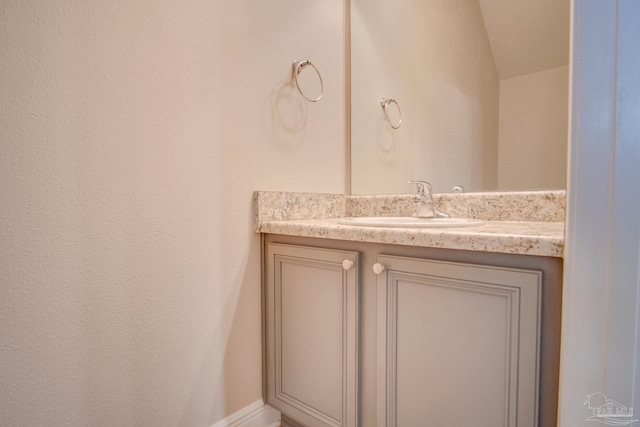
x,y
483,90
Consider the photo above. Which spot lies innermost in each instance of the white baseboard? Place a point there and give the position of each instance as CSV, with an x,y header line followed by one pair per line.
x,y
256,414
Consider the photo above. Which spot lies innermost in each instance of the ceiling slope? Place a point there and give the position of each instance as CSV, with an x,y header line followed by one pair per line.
x,y
527,36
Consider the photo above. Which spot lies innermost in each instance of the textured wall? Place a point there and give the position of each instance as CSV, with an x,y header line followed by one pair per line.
x,y
132,135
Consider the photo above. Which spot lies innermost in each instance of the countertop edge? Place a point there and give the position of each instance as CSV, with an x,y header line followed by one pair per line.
x,y
510,237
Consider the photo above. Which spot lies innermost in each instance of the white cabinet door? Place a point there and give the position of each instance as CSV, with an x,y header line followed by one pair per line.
x,y
312,334
457,344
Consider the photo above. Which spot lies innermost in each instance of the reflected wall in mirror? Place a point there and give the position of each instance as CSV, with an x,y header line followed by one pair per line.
x,y
483,90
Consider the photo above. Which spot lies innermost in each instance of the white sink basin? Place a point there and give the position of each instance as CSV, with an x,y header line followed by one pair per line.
x,y
410,222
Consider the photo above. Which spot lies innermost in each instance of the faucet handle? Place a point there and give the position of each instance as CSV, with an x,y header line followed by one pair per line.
x,y
422,187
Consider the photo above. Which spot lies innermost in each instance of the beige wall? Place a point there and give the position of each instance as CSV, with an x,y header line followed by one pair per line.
x,y
533,130
434,58
132,136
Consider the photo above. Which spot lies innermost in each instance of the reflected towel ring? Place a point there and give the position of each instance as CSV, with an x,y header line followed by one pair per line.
x,y
385,103
298,66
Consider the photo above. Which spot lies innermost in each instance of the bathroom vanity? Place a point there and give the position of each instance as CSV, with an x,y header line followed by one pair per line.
x,y
372,326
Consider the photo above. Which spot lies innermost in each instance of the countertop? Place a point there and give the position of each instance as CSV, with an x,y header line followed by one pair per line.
x,y
512,237
526,223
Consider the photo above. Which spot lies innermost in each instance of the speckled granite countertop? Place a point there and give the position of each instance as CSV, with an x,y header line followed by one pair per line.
x,y
532,229
513,237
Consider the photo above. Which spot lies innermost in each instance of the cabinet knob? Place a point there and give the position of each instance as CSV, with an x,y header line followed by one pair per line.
x,y
378,268
347,264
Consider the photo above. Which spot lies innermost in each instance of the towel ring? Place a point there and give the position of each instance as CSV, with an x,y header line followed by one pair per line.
x,y
385,103
298,66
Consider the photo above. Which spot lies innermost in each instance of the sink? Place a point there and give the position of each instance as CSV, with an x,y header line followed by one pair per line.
x,y
409,222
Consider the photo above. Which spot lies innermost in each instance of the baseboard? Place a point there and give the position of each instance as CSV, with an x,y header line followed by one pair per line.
x,y
256,414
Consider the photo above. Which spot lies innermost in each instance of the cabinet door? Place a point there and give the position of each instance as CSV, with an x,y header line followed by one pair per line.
x,y
457,344
312,334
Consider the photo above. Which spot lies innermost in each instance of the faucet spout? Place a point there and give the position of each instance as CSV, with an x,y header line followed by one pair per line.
x,y
426,207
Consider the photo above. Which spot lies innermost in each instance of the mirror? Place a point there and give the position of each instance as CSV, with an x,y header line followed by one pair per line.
x,y
482,89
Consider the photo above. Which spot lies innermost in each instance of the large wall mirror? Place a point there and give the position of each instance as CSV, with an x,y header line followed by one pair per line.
x,y
480,90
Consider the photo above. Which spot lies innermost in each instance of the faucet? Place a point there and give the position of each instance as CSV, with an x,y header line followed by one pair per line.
x,y
424,201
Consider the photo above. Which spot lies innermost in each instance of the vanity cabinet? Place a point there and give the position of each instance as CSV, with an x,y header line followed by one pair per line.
x,y
457,344
312,334
433,337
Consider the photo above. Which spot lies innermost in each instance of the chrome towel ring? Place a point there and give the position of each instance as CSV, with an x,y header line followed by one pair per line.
x,y
385,104
298,66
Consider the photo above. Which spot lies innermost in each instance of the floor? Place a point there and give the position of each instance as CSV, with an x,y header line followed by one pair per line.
x,y
288,422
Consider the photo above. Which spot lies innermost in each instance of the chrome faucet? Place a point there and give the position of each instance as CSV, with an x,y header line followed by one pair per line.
x,y
424,201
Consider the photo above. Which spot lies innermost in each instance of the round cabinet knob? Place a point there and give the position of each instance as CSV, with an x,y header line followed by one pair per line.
x,y
347,264
378,268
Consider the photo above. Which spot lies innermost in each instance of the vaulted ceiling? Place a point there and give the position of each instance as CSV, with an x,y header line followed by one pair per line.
x,y
527,36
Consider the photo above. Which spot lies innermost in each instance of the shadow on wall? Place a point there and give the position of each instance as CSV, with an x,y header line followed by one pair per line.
x,y
285,114
230,367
